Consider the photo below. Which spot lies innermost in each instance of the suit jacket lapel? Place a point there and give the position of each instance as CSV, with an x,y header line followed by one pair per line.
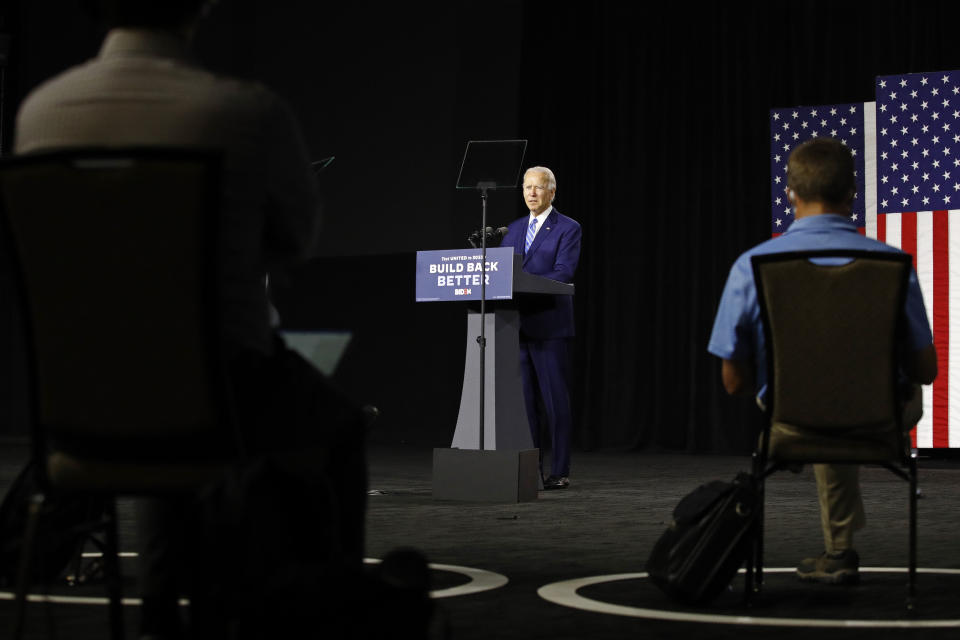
x,y
548,226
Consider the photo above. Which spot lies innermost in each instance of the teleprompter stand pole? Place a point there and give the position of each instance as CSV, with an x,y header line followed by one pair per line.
x,y
482,338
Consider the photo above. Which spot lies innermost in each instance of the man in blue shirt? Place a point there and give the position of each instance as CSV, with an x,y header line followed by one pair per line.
x,y
820,187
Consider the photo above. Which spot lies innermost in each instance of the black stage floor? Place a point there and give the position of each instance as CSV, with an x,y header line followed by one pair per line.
x,y
505,571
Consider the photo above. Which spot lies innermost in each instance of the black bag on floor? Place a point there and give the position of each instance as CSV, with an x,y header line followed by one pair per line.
x,y
709,539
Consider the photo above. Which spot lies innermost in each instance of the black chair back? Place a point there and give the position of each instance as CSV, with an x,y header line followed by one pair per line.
x,y
116,254
831,333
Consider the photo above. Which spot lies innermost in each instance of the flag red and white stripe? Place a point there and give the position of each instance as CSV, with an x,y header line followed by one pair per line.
x,y
916,158
935,245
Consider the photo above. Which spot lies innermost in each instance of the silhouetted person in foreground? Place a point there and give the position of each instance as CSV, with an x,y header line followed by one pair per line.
x,y
308,489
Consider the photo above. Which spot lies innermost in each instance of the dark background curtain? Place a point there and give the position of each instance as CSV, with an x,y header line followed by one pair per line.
x,y
655,123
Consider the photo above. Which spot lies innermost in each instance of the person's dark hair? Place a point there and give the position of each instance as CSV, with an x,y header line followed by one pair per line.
x,y
145,14
821,170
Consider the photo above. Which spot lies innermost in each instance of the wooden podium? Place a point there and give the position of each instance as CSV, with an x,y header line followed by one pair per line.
x,y
507,468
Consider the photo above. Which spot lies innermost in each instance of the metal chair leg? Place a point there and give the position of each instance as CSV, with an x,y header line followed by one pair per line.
x,y
27,553
753,581
748,574
912,569
761,491
112,573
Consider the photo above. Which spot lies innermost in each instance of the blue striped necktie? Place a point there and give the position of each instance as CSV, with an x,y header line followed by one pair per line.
x,y
531,231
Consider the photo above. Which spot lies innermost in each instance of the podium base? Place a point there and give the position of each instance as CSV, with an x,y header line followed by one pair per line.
x,y
493,475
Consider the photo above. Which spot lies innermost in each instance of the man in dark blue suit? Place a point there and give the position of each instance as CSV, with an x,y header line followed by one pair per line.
x,y
550,245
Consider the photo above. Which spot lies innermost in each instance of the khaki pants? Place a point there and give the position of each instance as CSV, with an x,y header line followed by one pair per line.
x,y
838,488
841,506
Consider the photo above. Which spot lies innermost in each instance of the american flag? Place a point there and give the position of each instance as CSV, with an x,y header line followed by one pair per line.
x,y
908,177
918,183
789,128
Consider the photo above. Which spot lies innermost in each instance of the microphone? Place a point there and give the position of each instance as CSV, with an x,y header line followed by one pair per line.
x,y
494,236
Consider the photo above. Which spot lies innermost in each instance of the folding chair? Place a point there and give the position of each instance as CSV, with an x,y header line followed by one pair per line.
x,y
116,261
832,322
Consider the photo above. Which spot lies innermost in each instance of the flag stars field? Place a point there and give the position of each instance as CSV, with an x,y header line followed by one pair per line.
x,y
838,120
923,121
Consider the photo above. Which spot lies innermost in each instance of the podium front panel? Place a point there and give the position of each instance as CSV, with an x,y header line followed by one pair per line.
x,y
457,274
505,414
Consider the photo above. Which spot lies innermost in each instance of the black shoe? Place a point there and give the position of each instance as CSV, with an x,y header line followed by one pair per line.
x,y
556,482
831,568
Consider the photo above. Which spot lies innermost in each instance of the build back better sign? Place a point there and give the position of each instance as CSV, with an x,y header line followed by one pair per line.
x,y
456,274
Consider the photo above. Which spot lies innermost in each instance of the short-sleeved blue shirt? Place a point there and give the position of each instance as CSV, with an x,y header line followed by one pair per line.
x,y
737,331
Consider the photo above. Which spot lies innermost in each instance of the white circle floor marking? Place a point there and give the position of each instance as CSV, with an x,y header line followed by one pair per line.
x,y
480,579
565,594
55,599
42,597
